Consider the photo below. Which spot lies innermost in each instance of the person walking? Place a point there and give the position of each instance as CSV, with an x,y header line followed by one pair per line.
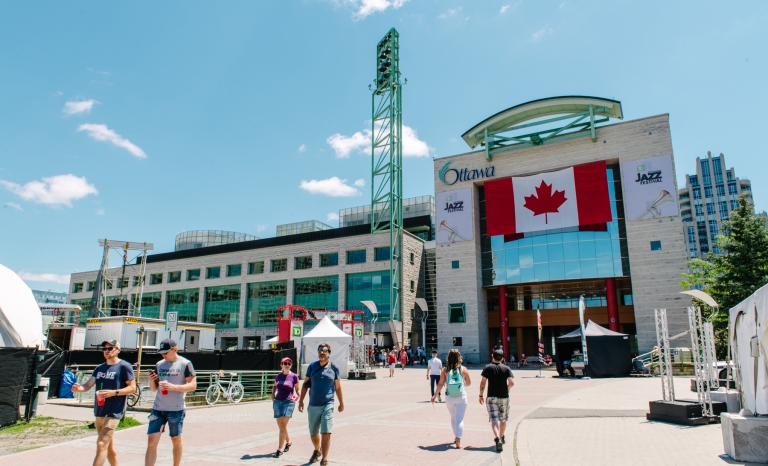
x,y
173,377
422,356
499,377
285,392
392,360
322,382
455,377
116,380
403,358
434,369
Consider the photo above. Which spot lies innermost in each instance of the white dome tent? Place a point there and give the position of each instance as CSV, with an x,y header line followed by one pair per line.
x,y
21,323
327,332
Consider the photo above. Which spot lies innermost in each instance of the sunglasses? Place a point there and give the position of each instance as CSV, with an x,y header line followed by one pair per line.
x,y
322,351
109,349
287,364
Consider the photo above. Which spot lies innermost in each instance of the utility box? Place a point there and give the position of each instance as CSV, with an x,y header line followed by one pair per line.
x,y
191,336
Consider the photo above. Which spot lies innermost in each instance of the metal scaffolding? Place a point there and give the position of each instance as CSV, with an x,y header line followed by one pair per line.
x,y
105,282
665,361
704,359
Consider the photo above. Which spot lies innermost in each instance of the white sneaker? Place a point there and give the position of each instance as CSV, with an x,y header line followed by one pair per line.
x,y
439,398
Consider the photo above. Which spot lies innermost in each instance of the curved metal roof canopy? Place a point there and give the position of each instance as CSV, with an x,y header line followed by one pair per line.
x,y
576,108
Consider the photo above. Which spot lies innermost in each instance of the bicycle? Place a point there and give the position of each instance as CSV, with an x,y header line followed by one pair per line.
x,y
233,393
136,397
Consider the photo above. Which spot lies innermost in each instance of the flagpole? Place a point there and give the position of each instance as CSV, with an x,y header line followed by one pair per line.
x,y
582,308
540,345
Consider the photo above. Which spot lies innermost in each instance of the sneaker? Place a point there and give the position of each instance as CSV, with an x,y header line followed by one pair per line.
x,y
503,440
499,445
315,456
287,447
439,398
277,454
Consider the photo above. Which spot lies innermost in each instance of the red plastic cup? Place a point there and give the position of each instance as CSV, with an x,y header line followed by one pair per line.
x,y
162,392
99,400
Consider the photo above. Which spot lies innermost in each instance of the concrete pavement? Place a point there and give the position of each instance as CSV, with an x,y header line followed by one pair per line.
x,y
389,421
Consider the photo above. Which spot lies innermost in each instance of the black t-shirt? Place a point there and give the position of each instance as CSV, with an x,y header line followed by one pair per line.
x,y
112,377
497,375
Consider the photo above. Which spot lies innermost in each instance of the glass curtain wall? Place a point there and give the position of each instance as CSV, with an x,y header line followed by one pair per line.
x,y
370,286
184,302
263,300
222,306
559,254
318,293
85,305
150,304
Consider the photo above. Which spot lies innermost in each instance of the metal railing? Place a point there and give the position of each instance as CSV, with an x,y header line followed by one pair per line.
x,y
257,384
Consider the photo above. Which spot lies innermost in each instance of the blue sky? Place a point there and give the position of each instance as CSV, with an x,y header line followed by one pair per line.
x,y
140,120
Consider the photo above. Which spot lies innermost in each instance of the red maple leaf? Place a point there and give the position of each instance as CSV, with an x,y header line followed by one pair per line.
x,y
544,202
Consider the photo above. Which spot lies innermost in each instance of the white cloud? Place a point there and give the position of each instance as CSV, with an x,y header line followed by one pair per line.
x,y
13,205
334,187
58,93
260,228
359,183
361,142
54,191
449,13
302,148
44,277
99,211
369,7
80,106
538,35
511,7
102,133
332,217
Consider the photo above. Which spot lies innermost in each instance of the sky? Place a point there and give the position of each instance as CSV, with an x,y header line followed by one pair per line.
x,y
140,120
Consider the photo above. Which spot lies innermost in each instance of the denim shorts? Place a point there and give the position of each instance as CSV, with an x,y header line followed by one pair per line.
x,y
320,419
158,419
283,408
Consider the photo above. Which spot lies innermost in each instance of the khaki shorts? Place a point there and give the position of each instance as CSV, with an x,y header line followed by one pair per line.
x,y
106,426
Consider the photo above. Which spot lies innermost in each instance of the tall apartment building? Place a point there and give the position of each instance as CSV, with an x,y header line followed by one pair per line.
x,y
707,199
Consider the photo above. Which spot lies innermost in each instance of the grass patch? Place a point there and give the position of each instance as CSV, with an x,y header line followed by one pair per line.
x,y
127,422
42,425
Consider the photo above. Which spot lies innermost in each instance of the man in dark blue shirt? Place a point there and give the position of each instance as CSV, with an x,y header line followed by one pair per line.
x,y
322,381
114,380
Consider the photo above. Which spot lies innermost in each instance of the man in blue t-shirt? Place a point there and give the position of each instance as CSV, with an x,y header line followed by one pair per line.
x,y
114,381
323,381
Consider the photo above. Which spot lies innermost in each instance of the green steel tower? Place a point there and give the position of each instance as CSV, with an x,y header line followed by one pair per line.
x,y
387,159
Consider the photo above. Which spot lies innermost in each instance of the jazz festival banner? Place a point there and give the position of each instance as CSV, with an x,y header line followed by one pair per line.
x,y
649,188
454,216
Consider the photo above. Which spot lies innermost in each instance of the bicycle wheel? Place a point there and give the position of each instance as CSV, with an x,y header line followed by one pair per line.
x,y
236,392
134,398
212,394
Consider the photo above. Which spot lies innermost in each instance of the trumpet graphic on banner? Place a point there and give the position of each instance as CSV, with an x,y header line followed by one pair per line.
x,y
453,235
655,209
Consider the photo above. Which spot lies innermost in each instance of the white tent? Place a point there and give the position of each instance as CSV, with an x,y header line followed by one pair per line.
x,y
21,323
327,332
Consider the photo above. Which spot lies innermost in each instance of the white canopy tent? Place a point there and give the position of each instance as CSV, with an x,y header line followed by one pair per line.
x,y
327,332
21,323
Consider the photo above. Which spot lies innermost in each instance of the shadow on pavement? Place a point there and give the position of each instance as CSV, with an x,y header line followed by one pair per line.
x,y
255,457
440,447
493,448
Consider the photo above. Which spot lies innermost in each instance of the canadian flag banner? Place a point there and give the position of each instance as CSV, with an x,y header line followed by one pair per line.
x,y
575,196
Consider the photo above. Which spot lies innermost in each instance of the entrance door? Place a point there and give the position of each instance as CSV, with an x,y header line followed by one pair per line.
x,y
192,341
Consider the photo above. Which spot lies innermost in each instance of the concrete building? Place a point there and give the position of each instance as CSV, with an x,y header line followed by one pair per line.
x,y
238,286
489,287
707,199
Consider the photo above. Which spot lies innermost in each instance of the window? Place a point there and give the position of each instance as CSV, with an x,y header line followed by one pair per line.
x,y
156,279
193,274
136,280
381,254
720,190
120,283
279,265
655,245
456,341
234,270
263,300
174,277
320,293
707,192
329,260
413,285
149,305
255,267
627,300
185,302
77,287
229,343
413,258
108,286
251,343
454,264
456,314
356,257
90,286
150,339
301,263
213,272
697,193
222,306
710,208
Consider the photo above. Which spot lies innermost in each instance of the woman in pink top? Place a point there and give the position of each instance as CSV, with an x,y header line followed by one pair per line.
x,y
403,358
284,395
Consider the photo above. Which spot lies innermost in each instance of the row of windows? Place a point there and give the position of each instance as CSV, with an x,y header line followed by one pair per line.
x,y
254,268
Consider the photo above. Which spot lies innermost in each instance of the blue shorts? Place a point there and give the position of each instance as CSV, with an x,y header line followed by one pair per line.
x,y
158,419
283,408
320,419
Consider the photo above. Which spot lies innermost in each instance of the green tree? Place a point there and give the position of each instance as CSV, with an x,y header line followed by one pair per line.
x,y
736,272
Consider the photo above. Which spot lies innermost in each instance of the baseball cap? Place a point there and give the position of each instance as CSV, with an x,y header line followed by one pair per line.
x,y
498,354
286,360
166,345
114,343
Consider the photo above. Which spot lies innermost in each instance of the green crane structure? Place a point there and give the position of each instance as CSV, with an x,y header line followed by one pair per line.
x,y
387,159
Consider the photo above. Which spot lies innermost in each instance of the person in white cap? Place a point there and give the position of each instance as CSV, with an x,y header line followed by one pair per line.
x,y
115,381
173,377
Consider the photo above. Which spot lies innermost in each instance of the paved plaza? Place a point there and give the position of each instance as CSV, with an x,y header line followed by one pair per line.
x,y
389,421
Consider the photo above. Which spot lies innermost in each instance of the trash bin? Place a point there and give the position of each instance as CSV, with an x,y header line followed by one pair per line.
x,y
42,392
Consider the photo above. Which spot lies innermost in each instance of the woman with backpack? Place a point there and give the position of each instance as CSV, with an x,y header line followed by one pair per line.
x,y
455,377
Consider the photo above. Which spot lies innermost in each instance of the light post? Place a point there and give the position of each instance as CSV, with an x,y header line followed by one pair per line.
x,y
140,333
